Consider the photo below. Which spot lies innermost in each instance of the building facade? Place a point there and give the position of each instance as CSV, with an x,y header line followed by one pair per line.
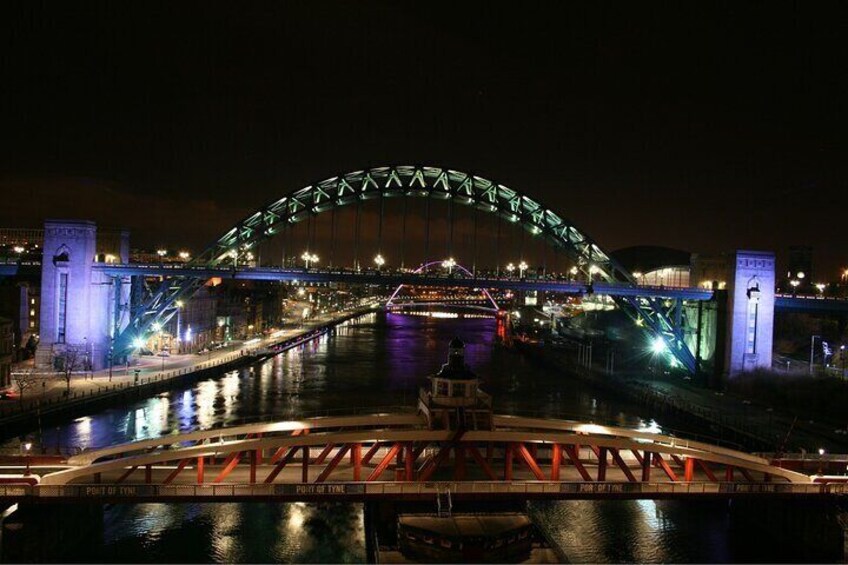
x,y
7,349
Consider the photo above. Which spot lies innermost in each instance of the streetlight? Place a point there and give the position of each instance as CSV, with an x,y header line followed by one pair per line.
x,y
157,327
185,255
379,261
27,452
521,268
813,350
821,287
18,249
161,253
309,258
510,268
449,264
794,283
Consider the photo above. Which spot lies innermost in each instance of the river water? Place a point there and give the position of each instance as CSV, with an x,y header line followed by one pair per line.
x,y
380,360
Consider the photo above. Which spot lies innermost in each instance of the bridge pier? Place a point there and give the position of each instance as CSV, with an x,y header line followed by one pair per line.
x,y
80,306
750,312
816,528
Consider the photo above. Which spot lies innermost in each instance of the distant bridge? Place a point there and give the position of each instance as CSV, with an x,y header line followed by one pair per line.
x,y
393,454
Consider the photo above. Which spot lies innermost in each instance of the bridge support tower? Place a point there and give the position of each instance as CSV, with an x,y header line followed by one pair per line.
x,y
750,312
80,307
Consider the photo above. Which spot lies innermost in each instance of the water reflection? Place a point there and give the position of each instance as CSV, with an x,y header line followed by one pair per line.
x,y
375,361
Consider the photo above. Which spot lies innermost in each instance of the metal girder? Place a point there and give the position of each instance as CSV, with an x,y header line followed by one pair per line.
x,y
412,181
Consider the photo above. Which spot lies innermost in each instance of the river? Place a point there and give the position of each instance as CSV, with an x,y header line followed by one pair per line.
x,y
380,360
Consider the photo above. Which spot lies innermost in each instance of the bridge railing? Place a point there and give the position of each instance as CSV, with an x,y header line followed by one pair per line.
x,y
391,489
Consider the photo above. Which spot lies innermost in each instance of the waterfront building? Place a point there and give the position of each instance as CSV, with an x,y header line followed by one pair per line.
x,y
6,351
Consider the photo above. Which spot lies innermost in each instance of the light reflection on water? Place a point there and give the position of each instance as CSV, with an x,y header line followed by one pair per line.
x,y
376,361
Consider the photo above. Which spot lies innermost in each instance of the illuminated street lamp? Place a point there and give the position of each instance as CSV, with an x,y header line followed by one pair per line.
x,y
185,255
18,249
161,253
449,264
309,258
821,287
521,268
379,261
510,268
794,283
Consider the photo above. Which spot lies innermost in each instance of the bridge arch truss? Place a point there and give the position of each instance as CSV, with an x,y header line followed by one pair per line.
x,y
652,313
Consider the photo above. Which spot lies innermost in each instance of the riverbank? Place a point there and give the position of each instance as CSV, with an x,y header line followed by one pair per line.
x,y
101,390
724,417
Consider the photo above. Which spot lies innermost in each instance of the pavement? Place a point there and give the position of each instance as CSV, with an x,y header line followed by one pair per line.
x,y
52,387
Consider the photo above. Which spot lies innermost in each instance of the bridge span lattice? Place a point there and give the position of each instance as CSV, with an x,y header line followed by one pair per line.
x,y
395,454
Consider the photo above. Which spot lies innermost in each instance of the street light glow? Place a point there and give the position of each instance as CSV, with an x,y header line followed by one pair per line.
x,y
379,260
18,249
185,255
309,258
161,252
658,346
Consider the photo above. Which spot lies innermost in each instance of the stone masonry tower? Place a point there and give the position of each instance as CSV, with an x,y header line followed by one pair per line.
x,y
77,301
750,312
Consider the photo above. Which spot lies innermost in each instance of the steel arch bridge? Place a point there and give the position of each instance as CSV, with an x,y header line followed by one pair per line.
x,y
423,268
654,314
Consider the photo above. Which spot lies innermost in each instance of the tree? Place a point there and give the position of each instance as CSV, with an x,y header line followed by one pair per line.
x,y
72,360
24,381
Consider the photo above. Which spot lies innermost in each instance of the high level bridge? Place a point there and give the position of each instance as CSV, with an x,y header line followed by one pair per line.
x,y
87,299
394,454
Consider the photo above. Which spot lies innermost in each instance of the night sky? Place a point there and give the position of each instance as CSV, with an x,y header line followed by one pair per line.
x,y
699,126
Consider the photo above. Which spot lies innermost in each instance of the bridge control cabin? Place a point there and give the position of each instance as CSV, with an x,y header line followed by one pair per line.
x,y
455,401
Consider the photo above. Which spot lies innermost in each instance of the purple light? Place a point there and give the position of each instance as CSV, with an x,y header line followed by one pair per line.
x,y
457,266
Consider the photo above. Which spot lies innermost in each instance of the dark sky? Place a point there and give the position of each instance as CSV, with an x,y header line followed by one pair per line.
x,y
695,125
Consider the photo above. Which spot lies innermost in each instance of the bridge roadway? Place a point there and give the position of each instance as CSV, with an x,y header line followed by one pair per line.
x,y
783,302
397,278
393,454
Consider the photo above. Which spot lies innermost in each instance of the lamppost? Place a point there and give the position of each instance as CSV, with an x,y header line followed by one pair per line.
x,y
27,447
449,264
309,258
379,261
521,268
510,268
794,283
161,253
185,255
179,304
157,327
813,350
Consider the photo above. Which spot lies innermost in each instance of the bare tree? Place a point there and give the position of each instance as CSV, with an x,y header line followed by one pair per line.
x,y
24,381
73,359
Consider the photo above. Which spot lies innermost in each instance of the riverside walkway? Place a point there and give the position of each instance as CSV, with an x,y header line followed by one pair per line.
x,y
50,391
